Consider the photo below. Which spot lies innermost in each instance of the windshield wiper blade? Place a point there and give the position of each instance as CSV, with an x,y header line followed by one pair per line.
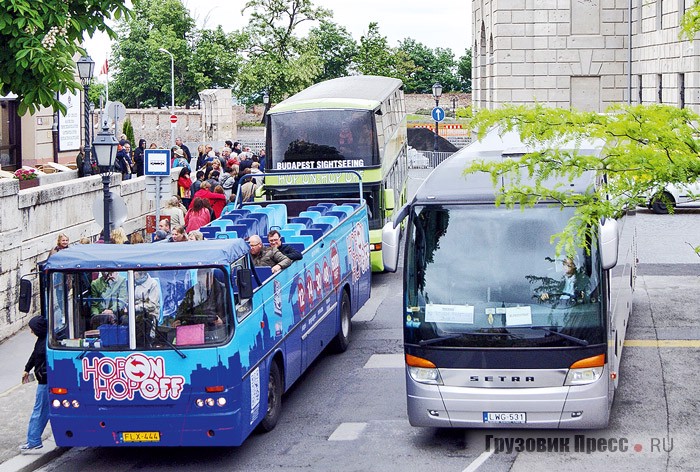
x,y
164,338
426,342
579,341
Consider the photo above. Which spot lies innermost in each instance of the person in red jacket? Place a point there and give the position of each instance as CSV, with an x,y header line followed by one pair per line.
x,y
197,216
217,198
184,182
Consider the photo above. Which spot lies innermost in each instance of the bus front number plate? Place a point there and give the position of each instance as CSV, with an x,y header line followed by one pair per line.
x,y
141,436
504,417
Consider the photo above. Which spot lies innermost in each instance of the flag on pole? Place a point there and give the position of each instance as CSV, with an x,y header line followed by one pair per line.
x,y
105,68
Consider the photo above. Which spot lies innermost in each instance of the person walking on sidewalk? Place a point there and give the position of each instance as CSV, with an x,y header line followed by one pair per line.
x,y
37,361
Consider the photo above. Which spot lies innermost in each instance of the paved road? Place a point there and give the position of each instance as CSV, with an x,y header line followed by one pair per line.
x,y
347,413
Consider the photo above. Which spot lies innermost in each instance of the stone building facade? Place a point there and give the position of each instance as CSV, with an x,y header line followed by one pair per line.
x,y
585,54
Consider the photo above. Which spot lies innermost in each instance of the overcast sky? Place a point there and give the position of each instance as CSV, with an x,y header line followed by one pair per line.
x,y
444,24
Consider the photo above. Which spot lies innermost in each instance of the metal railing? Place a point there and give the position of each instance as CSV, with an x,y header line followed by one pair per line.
x,y
426,159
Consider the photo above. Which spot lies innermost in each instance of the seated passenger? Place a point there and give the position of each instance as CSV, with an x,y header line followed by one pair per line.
x,y
203,302
109,298
147,306
275,240
267,256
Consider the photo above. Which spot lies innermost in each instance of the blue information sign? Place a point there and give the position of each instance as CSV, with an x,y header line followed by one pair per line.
x,y
157,162
438,114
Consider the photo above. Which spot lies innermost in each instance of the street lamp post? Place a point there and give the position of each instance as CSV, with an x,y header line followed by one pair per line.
x,y
437,93
172,93
454,99
86,67
266,102
105,145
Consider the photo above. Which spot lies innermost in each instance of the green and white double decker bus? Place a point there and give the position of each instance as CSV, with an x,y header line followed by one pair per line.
x,y
356,123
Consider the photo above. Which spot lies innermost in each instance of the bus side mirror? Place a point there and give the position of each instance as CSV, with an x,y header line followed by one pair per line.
x,y
390,246
25,295
389,201
244,282
608,241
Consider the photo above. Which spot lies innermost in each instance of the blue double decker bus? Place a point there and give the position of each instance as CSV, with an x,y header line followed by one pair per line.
x,y
188,343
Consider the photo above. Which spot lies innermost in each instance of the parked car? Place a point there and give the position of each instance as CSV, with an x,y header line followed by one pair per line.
x,y
677,196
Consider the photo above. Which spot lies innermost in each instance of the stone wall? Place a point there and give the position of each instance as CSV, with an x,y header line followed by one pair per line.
x,y
32,219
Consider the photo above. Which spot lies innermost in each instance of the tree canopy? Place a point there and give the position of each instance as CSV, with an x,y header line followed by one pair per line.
x,y
40,41
647,147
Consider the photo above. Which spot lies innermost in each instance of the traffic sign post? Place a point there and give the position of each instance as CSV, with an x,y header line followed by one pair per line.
x,y
173,121
438,114
157,171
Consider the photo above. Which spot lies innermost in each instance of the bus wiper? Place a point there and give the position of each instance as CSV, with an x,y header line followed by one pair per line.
x,y
164,338
426,342
579,341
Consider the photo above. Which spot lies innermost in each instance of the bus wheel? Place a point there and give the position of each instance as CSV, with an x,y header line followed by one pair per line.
x,y
342,339
274,399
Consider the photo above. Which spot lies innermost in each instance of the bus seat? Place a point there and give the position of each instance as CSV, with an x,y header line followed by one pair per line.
x,y
252,207
348,209
329,220
354,206
271,216
209,232
228,208
262,222
241,229
328,205
231,217
252,226
285,233
280,211
295,226
227,235
341,215
324,227
311,214
221,224
315,233
319,208
298,246
304,220
241,212
263,273
306,240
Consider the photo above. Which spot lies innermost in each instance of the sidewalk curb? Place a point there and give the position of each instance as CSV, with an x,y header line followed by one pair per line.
x,y
31,462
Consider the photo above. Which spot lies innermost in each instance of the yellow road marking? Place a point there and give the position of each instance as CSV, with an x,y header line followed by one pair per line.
x,y
663,343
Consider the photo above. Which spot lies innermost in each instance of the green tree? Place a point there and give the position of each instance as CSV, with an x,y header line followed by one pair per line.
x,y
336,48
277,60
128,130
143,72
40,40
646,148
464,71
429,66
216,57
374,56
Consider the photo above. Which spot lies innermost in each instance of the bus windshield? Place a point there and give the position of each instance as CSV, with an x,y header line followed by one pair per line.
x,y
313,139
483,276
165,309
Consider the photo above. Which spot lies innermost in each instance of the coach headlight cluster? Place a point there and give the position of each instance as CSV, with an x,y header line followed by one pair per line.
x,y
422,370
585,371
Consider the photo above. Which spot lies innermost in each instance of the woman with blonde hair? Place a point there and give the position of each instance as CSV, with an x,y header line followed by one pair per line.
x,y
173,210
118,236
62,242
136,238
195,235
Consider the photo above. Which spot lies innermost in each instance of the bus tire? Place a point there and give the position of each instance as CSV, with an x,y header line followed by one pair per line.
x,y
342,339
274,399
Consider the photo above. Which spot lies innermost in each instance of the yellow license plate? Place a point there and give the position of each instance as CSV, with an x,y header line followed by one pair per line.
x,y
141,436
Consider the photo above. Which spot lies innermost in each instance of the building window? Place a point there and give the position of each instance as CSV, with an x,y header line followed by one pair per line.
x,y
681,10
681,90
640,89
659,88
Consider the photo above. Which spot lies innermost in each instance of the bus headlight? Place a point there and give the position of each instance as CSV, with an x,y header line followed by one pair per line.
x,y
585,371
422,370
